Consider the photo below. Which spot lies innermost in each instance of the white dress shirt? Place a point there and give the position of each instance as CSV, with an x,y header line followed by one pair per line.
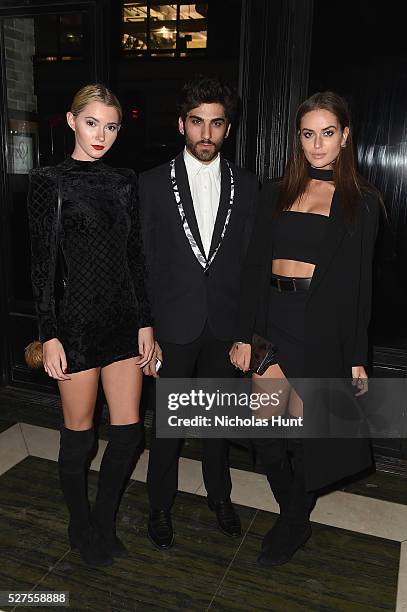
x,y
205,184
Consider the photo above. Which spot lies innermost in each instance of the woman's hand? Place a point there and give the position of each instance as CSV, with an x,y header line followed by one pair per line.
x,y
145,346
240,354
54,358
152,367
360,380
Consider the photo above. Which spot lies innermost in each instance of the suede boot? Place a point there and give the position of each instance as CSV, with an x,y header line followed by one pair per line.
x,y
73,465
118,460
296,529
273,456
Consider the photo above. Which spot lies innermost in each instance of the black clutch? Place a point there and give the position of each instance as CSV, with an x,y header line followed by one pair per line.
x,y
264,354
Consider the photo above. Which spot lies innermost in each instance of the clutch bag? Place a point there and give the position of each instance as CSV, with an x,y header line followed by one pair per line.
x,y
264,354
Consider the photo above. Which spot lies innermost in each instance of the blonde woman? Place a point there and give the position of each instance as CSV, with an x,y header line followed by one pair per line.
x,y
102,328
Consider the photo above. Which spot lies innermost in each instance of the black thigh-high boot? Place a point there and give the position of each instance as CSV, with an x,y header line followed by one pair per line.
x,y
274,459
302,501
297,524
118,459
73,465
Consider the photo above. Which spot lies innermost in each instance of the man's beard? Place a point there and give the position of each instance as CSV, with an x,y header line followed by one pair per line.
x,y
204,155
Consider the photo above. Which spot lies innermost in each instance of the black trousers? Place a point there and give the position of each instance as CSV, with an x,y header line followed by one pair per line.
x,y
205,357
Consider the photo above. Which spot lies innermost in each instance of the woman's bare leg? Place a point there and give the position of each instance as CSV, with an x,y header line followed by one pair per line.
x,y
78,396
272,381
295,404
122,383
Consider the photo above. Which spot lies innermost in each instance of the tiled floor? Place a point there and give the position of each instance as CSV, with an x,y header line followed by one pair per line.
x,y
355,561
380,485
338,569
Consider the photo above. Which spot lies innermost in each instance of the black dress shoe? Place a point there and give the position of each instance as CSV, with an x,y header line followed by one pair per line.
x,y
281,549
228,520
160,529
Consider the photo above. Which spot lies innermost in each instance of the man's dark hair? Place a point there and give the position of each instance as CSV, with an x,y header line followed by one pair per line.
x,y
207,90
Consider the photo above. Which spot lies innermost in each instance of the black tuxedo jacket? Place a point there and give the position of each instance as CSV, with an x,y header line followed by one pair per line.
x,y
184,295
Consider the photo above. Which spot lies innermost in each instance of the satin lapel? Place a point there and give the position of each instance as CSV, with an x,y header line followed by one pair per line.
x,y
224,202
186,198
331,243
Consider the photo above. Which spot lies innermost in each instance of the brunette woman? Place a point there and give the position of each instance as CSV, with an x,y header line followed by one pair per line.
x,y
103,326
310,266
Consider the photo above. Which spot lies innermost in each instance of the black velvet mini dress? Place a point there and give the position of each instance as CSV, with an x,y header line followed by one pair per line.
x,y
105,299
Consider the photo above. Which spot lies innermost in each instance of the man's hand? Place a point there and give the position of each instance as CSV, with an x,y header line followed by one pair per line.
x,y
152,367
240,355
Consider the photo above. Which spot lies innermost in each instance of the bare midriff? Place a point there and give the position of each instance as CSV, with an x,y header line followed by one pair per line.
x,y
290,267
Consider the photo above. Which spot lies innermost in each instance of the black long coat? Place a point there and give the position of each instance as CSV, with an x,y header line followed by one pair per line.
x,y
336,317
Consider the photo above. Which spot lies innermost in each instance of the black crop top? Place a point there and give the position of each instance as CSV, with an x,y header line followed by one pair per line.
x,y
297,235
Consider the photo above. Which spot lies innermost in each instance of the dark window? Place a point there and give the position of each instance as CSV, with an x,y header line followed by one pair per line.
x,y
59,37
157,28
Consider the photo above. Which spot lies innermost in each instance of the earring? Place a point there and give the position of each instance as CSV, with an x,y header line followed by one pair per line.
x,y
343,146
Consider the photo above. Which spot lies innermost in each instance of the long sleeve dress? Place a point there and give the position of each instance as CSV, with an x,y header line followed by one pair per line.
x,y
105,299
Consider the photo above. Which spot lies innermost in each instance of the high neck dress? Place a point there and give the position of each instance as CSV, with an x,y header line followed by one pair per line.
x,y
105,299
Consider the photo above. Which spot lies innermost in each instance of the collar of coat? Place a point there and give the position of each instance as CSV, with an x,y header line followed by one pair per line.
x,y
183,200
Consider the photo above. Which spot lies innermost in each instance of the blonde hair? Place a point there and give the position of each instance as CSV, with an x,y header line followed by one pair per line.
x,y
95,92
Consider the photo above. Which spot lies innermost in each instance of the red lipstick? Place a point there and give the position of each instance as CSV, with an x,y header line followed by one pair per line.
x,y
98,147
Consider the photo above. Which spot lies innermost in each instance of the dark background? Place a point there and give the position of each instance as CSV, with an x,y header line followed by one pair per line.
x,y
277,52
359,49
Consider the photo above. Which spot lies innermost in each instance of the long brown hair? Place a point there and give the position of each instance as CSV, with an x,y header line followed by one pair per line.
x,y
348,183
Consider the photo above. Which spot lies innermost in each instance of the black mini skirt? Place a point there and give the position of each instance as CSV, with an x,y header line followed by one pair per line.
x,y
286,328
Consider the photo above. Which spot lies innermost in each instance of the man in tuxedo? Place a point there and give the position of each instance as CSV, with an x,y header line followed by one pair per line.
x,y
197,213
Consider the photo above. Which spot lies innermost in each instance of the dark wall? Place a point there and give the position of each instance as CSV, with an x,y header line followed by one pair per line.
x,y
274,66
360,51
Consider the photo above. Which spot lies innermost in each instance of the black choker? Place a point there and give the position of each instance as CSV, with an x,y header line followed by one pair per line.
x,y
320,175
